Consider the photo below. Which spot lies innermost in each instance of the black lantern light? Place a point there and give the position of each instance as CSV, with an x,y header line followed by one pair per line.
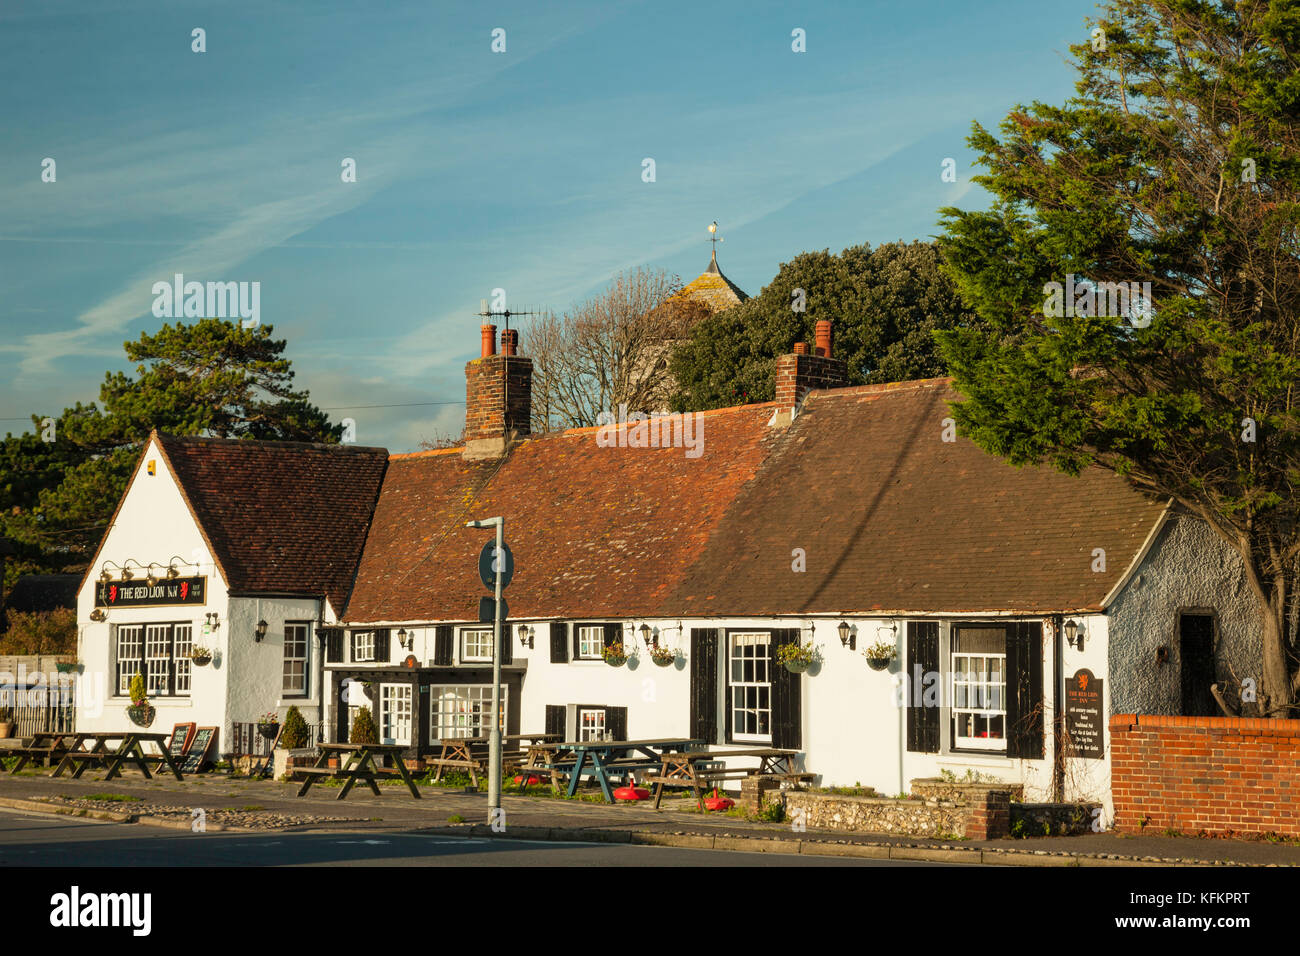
x,y
1073,634
260,632
645,633
846,632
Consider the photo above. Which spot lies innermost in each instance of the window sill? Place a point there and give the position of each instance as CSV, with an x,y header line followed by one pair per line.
x,y
158,701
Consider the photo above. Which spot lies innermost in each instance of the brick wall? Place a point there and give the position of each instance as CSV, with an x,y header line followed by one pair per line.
x,y
797,374
486,395
1213,774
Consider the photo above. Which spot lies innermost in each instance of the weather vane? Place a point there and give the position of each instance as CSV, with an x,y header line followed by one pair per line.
x,y
714,237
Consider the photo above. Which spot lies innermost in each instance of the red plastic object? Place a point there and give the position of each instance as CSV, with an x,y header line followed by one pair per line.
x,y
631,792
531,780
716,802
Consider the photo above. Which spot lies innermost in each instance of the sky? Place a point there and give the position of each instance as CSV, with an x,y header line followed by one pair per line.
x,y
475,169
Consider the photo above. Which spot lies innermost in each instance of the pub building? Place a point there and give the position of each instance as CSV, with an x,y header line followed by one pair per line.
x,y
1023,606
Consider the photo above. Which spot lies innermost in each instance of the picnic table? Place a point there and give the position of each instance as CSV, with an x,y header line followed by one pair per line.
x,y
472,753
696,769
46,746
605,758
90,749
360,765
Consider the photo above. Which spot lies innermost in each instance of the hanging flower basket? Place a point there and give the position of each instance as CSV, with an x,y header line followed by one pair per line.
x,y
879,655
797,658
141,714
663,656
614,654
268,730
201,656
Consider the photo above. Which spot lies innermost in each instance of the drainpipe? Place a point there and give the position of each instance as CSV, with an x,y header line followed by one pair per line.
x,y
1058,715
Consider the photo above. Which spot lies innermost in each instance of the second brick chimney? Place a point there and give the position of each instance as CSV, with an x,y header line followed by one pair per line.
x,y
498,397
800,372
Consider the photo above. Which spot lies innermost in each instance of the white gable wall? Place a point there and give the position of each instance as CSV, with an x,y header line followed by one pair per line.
x,y
153,524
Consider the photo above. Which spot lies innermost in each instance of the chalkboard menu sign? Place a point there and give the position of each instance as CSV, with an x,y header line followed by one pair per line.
x,y
198,753
166,591
1084,717
181,736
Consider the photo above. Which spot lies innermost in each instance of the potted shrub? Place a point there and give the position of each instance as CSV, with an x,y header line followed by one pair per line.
x,y
140,711
6,722
879,655
364,730
268,725
614,654
797,658
295,731
662,656
201,655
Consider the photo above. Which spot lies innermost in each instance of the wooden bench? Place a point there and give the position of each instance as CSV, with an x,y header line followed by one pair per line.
x,y
45,751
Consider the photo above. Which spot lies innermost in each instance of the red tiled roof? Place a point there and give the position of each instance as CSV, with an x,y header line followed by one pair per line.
x,y
595,531
893,518
281,517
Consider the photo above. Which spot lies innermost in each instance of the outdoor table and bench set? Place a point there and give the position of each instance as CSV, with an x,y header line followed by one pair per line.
x,y
523,751
77,750
700,770
358,764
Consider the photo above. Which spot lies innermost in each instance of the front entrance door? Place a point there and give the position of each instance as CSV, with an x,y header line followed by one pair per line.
x,y
1196,651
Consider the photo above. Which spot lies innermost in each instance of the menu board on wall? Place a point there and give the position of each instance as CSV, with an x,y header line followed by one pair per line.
x,y
143,594
1084,717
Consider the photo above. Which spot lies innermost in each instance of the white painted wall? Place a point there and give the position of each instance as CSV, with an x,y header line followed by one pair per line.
x,y
153,524
257,668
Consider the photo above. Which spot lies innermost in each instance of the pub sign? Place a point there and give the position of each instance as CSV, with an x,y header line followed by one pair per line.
x,y
169,591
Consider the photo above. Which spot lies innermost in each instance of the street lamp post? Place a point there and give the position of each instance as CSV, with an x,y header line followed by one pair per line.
x,y
494,738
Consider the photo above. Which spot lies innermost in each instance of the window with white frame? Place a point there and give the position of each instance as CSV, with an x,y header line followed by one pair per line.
x,y
363,646
294,683
476,644
979,688
161,652
749,686
591,643
182,644
395,713
591,724
462,711
130,655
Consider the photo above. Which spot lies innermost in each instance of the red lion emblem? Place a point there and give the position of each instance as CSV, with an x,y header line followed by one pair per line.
x,y
112,593
185,589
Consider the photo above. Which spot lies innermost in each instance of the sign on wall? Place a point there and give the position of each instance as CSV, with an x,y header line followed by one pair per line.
x,y
1084,717
141,594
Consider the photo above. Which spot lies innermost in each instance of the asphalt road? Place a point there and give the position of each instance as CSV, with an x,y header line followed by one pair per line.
x,y
44,840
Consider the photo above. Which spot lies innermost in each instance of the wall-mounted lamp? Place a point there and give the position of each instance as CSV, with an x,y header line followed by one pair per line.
x,y
645,631
172,570
260,632
98,614
1073,633
405,638
150,578
526,634
846,633
126,568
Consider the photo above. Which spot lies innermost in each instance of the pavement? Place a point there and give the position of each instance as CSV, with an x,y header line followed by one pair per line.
x,y
262,805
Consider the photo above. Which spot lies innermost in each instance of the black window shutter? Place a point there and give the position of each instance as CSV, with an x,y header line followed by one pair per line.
x,y
444,637
334,646
555,719
559,644
614,632
574,630
786,703
616,722
1025,690
352,639
507,645
922,660
381,645
704,684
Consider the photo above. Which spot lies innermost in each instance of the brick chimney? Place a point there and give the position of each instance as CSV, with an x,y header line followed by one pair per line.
x,y
498,397
799,373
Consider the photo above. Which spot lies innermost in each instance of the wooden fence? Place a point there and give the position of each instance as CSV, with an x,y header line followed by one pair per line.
x,y
244,739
